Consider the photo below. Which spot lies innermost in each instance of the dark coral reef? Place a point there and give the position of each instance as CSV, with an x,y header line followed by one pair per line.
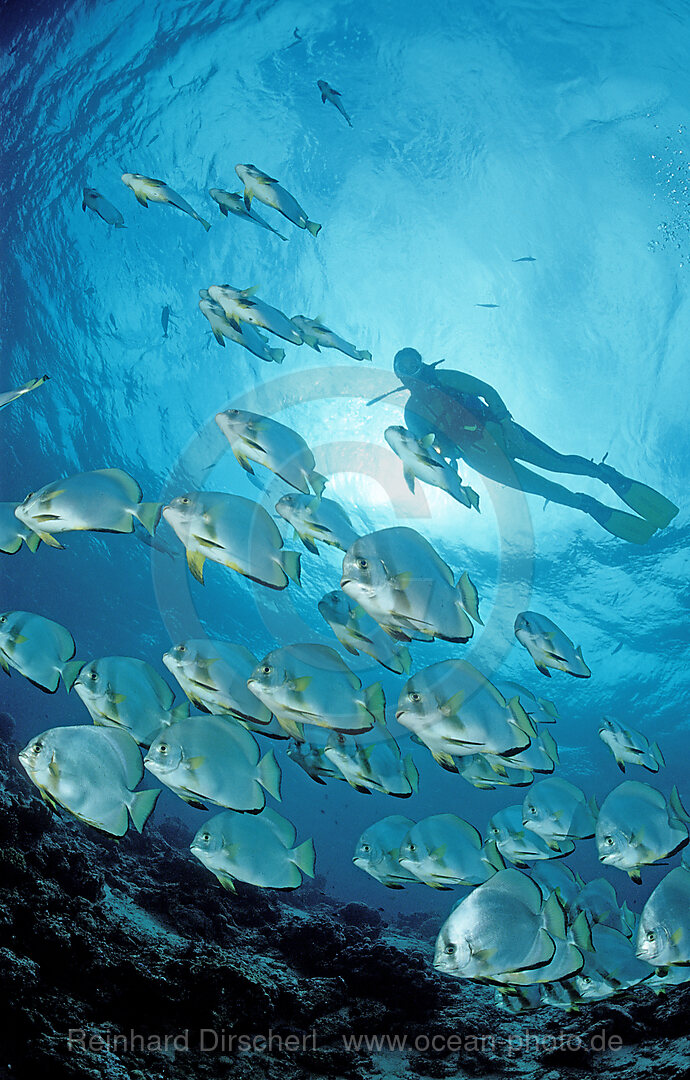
x,y
124,959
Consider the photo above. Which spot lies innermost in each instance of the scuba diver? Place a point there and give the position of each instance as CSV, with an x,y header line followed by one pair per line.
x,y
469,420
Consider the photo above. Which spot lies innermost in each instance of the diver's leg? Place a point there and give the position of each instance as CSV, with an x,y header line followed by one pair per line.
x,y
626,526
525,446
644,500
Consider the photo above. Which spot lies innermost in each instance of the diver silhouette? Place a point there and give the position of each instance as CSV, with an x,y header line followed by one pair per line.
x,y
469,420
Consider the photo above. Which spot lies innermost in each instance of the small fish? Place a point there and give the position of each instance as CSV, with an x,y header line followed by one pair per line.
x,y
558,877
266,189
557,810
107,500
378,849
247,335
487,305
519,846
95,201
637,827
610,967
39,649
373,766
598,900
315,519
630,747
548,646
663,936
259,438
297,36
241,306
165,320
422,462
11,395
92,773
480,771
229,201
540,757
329,94
457,712
525,258
256,848
13,533
311,684
402,582
156,544
503,925
541,710
146,188
213,759
444,851
232,531
313,761
320,337
213,674
359,633
127,693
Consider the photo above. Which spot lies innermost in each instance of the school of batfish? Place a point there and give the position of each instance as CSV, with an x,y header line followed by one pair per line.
x,y
529,925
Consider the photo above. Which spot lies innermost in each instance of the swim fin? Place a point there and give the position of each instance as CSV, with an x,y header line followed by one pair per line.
x,y
635,530
645,501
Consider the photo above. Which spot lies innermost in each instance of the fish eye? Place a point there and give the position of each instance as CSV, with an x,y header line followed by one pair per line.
x,y
163,748
608,840
233,412
365,847
206,837
413,847
651,936
450,949
532,809
414,696
184,500
182,648
36,748
3,618
362,564
266,669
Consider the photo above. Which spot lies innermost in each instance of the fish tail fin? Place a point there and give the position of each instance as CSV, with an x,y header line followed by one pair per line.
x,y
679,811
180,712
521,718
492,856
315,229
581,933
32,541
363,354
469,597
290,562
554,916
277,355
270,774
318,483
406,660
206,224
149,514
304,856
658,756
70,672
141,806
376,702
50,540
411,772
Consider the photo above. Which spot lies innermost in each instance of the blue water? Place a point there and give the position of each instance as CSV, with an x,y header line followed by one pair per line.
x,y
482,134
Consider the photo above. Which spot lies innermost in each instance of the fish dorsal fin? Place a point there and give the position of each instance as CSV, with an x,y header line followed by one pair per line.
x,y
519,886
129,753
129,485
283,829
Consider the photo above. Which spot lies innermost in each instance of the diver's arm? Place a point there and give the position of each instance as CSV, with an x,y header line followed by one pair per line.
x,y
468,384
